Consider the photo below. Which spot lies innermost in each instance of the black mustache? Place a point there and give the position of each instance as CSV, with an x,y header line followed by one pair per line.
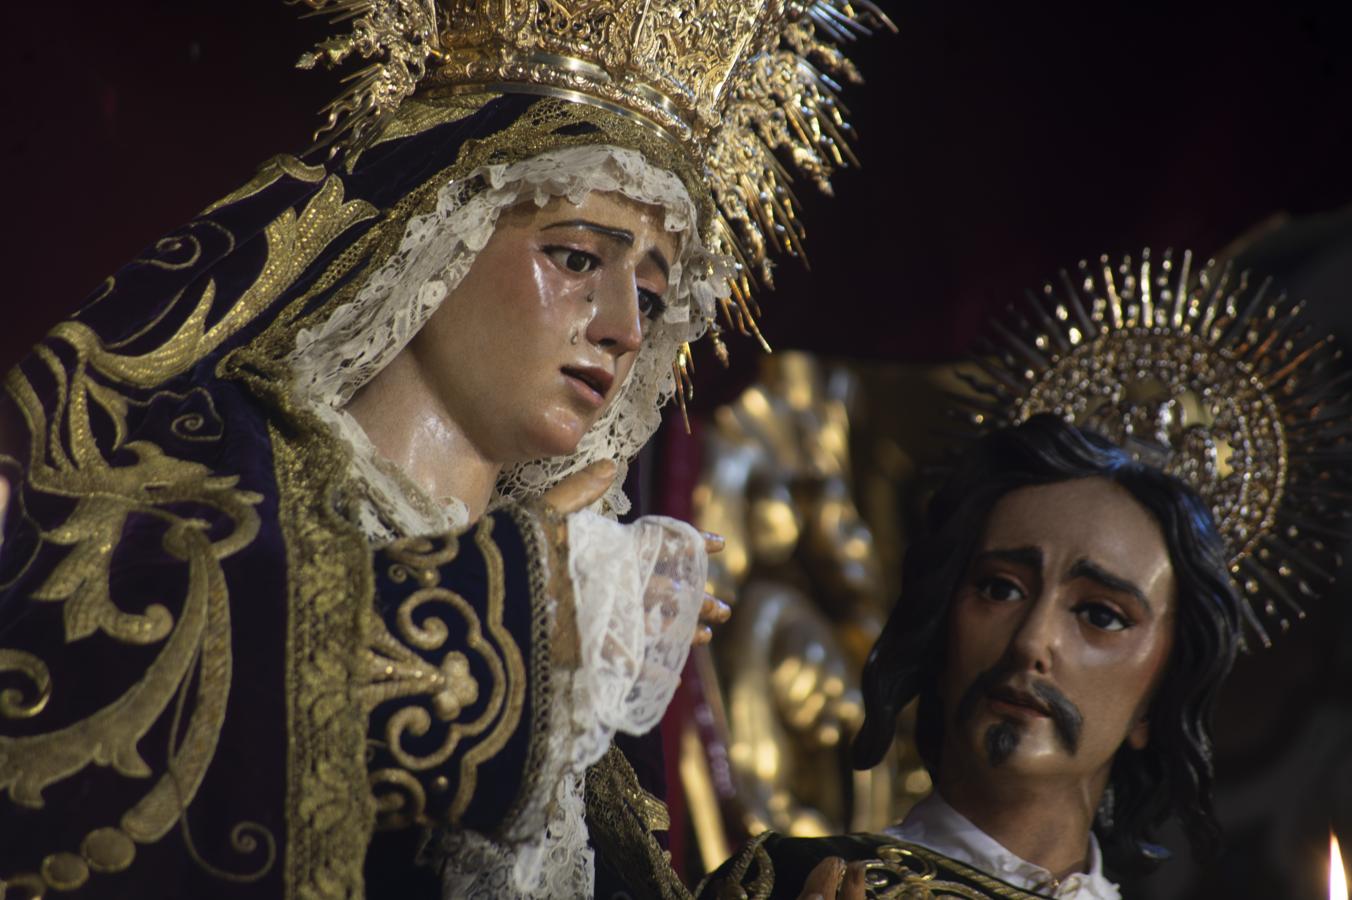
x,y
1066,718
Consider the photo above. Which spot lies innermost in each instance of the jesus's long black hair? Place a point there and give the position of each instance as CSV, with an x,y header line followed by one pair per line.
x,y
1173,774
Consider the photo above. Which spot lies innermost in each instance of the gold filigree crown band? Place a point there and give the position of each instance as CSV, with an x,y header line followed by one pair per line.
x,y
1206,376
735,84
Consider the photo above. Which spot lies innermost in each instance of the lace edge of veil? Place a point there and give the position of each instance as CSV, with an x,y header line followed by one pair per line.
x,y
333,360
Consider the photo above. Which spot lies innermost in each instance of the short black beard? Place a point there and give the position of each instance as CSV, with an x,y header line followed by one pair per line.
x,y
1002,738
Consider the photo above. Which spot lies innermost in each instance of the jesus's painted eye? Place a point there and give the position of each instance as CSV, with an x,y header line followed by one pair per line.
x,y
1001,590
1102,616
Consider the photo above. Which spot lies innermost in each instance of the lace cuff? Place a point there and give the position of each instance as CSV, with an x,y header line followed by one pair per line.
x,y
638,590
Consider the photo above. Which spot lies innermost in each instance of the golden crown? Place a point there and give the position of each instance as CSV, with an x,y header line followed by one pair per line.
x,y
730,81
1198,372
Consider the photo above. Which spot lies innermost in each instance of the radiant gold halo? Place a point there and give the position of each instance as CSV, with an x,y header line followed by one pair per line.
x,y
1205,376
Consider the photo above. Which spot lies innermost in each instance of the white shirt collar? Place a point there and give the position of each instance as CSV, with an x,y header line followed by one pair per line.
x,y
934,824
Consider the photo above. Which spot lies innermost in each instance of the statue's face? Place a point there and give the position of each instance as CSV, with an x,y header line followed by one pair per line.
x,y
540,335
1058,635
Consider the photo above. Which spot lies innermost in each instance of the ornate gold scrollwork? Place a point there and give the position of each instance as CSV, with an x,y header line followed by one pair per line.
x,y
394,671
190,676
12,703
400,797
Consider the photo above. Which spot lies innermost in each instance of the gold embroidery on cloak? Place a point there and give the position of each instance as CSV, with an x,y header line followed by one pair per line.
x,y
268,174
396,671
293,243
65,460
328,823
199,641
432,634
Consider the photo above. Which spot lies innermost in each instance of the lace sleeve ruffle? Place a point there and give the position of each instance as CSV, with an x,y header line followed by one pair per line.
x,y
637,590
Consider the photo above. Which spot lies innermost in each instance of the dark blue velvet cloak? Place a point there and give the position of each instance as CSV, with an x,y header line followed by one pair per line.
x,y
207,686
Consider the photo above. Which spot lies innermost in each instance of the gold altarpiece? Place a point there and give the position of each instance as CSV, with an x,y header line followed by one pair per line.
x,y
812,475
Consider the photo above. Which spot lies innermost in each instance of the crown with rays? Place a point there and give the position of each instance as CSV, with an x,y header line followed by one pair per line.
x,y
1204,375
736,84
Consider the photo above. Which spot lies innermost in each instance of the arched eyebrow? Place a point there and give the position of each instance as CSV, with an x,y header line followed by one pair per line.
x,y
1030,557
621,235
1085,568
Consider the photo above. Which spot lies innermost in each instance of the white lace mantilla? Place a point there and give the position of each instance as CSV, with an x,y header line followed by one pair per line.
x,y
638,590
332,360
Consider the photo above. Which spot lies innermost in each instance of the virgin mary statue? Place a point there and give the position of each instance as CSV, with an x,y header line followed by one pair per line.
x,y
312,584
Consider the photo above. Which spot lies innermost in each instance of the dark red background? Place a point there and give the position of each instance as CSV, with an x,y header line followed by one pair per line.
x,y
1000,142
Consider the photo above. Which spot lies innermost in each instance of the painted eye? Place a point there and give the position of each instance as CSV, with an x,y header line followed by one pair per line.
x,y
1102,617
651,304
578,261
1001,590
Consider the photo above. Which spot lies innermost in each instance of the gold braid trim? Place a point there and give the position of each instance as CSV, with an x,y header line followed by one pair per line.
x,y
621,818
901,871
540,686
329,584
731,886
330,815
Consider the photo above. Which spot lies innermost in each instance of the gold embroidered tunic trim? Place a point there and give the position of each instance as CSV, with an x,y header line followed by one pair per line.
x,y
895,870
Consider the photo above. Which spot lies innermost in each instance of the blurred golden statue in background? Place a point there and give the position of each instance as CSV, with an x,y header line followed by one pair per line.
x,y
812,579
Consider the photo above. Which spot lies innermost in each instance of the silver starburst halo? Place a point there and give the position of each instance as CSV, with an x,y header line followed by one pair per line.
x,y
1209,377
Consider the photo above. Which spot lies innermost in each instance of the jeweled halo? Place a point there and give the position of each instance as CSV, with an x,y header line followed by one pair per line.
x,y
1206,376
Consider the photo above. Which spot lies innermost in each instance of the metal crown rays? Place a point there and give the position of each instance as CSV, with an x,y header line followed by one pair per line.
x,y
731,82
1207,377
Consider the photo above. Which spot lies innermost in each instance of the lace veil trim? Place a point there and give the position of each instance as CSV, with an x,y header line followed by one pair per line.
x,y
331,361
638,617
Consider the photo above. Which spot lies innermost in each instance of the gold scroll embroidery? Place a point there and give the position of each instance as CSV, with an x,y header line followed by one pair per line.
x,y
293,242
192,670
394,671
12,702
516,674
198,641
